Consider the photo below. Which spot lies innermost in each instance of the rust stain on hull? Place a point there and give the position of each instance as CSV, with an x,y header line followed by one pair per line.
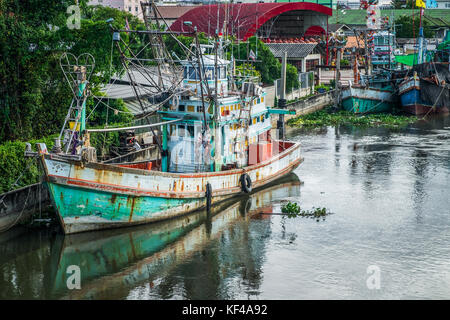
x,y
133,201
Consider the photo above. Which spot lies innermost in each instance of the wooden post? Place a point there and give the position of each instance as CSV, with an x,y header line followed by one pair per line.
x,y
366,58
338,76
282,101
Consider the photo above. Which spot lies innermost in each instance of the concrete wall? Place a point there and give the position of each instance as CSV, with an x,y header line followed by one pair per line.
x,y
311,104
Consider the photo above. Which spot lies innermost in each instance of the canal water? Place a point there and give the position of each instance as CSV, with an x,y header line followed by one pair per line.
x,y
388,236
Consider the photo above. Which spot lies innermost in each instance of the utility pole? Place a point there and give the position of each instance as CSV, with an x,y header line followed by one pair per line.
x,y
366,58
217,130
282,100
338,76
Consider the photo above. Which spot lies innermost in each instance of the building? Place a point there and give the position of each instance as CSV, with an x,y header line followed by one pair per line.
x,y
284,20
340,29
304,56
410,45
131,6
171,13
355,4
442,4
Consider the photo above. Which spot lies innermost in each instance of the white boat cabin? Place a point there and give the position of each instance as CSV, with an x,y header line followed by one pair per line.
x,y
242,120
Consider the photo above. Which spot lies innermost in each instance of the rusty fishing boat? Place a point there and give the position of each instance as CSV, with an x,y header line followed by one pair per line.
x,y
212,139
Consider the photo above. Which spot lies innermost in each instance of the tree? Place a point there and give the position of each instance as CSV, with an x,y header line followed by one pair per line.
x,y
34,96
405,30
398,4
267,65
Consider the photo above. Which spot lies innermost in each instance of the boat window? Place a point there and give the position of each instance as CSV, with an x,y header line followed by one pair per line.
x,y
190,108
209,73
262,99
181,108
193,73
183,130
172,130
223,74
190,131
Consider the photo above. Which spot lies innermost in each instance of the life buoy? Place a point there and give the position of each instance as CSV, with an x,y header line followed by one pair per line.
x,y
246,183
208,195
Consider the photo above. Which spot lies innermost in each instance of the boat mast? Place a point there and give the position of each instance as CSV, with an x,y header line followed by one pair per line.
x,y
217,138
420,57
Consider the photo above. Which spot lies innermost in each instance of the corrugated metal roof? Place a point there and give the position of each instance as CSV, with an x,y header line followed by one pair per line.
x,y
120,88
294,50
174,12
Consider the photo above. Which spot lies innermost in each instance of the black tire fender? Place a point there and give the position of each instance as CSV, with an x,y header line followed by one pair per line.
x,y
246,183
208,196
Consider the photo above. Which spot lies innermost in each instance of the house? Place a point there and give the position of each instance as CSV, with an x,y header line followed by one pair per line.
x,y
410,45
303,56
442,4
339,29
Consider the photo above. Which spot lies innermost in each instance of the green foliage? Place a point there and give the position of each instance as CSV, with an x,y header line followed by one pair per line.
x,y
345,62
105,142
248,69
292,210
269,67
117,112
291,78
321,86
405,30
13,164
326,118
34,95
173,46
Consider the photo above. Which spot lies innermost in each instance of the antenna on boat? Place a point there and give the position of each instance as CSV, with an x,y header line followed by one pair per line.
x,y
77,71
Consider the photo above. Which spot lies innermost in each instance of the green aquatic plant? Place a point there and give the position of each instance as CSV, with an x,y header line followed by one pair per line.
x,y
328,118
293,210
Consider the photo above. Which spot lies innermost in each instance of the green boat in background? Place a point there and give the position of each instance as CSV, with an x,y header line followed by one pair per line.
x,y
360,99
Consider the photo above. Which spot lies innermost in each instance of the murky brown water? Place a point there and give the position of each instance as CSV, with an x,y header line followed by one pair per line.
x,y
388,190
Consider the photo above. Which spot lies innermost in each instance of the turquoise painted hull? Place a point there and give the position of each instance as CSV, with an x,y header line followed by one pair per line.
x,y
112,259
358,105
95,196
80,208
358,99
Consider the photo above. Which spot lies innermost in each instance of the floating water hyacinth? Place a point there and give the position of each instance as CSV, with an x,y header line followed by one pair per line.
x,y
326,118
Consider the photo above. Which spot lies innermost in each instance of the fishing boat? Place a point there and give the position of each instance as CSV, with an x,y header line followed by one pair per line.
x,y
425,87
372,93
422,93
215,143
122,258
358,98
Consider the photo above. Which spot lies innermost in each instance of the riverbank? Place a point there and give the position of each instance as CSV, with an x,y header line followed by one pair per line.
x,y
330,117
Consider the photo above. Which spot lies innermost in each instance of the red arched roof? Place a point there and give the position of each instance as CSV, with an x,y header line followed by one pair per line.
x,y
315,31
245,18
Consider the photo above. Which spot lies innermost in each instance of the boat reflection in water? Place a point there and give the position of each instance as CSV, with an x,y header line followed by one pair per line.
x,y
114,262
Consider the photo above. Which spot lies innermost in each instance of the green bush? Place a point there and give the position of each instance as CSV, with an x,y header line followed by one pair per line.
x,y
13,164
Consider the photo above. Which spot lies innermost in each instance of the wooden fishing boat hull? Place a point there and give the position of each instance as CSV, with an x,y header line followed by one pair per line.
x,y
358,99
409,91
95,196
140,253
